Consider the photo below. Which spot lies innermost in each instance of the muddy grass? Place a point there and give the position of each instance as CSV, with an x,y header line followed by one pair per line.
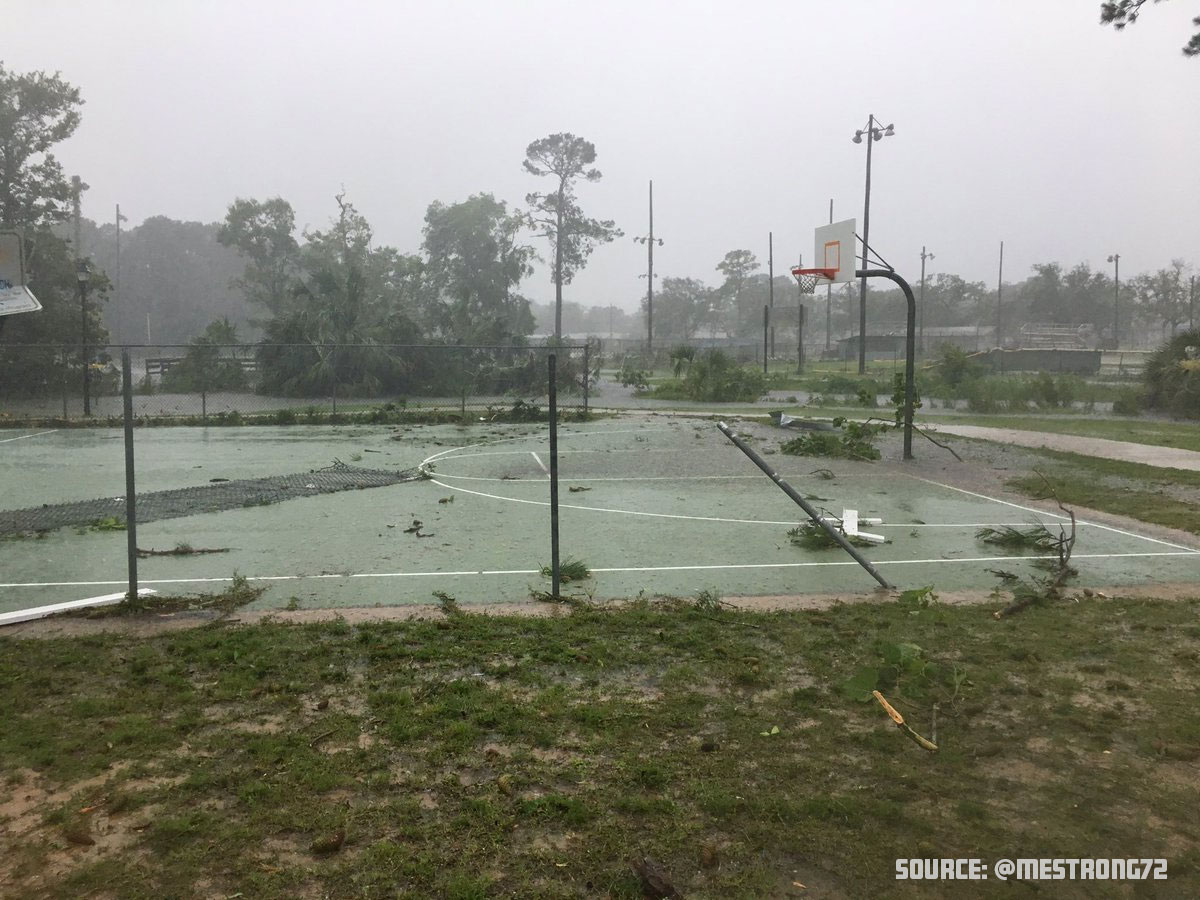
x,y
487,755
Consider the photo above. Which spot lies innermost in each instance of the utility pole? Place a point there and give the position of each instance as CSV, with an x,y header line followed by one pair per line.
x,y
999,293
921,308
829,296
771,283
873,132
82,276
799,321
1115,259
649,242
117,274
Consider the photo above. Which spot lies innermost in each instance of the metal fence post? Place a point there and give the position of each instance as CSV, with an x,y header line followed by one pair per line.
x,y
65,366
554,572
130,487
587,372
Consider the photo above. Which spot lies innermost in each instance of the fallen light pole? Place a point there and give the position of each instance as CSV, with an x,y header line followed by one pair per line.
x,y
820,520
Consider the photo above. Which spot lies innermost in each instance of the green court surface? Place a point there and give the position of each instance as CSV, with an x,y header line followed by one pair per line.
x,y
665,506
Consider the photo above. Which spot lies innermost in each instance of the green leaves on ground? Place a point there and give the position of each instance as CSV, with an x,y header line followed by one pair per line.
x,y
855,440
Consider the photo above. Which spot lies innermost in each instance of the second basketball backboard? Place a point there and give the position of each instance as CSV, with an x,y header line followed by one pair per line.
x,y
836,248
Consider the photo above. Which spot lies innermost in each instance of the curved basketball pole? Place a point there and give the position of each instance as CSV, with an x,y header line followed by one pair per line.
x,y
910,349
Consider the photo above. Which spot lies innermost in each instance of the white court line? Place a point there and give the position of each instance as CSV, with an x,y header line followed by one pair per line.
x,y
653,515
540,463
499,572
24,436
1040,512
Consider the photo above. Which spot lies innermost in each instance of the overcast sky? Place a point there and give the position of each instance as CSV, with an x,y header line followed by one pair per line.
x,y
1023,121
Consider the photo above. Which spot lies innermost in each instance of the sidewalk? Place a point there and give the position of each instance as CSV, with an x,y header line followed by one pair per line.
x,y
1146,454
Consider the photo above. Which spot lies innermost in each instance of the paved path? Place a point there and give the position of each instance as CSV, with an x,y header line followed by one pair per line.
x,y
1146,454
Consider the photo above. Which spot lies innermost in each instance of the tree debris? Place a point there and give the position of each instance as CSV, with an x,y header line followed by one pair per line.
x,y
180,550
899,720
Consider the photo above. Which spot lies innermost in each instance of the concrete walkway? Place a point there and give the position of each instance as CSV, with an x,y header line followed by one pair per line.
x,y
1146,454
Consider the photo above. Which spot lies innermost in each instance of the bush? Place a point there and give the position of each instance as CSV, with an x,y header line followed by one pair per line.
x,y
1128,403
715,377
634,377
956,366
1172,376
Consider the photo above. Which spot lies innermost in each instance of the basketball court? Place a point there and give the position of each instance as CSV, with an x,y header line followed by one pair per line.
x,y
649,503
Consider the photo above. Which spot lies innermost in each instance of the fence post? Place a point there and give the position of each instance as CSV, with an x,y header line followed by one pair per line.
x,y
766,327
65,367
587,372
333,356
130,487
554,573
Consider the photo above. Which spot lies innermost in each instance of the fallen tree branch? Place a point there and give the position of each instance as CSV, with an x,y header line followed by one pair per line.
x,y
1041,589
924,743
181,550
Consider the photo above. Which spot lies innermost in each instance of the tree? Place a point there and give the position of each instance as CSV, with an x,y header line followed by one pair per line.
x,y
37,111
475,263
557,216
205,367
263,233
175,278
1164,294
738,267
1125,12
681,307
1076,297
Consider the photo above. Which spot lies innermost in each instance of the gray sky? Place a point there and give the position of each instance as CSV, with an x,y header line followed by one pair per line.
x,y
1023,121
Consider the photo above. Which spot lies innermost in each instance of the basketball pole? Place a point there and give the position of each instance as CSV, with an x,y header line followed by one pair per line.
x,y
910,342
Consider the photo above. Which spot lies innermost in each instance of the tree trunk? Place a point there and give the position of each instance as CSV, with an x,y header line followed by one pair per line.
x,y
558,238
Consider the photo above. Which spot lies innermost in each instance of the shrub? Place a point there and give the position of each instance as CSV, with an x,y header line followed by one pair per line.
x,y
714,376
1172,376
631,376
956,366
682,356
1128,403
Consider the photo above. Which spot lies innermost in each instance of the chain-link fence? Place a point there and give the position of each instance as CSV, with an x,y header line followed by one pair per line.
x,y
208,383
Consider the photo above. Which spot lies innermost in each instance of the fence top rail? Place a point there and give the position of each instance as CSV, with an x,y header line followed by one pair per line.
x,y
253,346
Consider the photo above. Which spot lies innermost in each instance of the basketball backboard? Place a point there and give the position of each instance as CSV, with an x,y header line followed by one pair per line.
x,y
836,248
14,296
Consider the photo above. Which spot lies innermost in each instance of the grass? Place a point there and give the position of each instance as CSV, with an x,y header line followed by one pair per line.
x,y
569,569
1152,494
472,756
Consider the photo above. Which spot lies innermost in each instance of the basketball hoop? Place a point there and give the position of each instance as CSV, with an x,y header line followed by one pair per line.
x,y
806,279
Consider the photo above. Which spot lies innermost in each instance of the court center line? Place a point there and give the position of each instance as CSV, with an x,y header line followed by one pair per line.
x,y
538,459
24,436
507,572
791,522
1039,512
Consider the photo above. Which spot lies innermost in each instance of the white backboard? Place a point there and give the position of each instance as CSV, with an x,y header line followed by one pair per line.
x,y
14,296
835,247
18,299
